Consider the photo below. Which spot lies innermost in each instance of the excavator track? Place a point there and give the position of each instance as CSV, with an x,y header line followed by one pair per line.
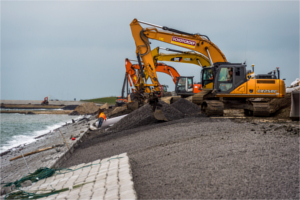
x,y
199,97
261,109
213,107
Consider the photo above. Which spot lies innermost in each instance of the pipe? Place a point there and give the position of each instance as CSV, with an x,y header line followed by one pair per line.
x,y
199,62
174,50
111,121
172,29
127,85
123,88
158,26
210,60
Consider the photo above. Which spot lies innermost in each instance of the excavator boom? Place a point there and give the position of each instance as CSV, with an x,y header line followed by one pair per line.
x,y
195,42
201,44
187,57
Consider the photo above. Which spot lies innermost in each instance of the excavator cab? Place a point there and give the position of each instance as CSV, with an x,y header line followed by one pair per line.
x,y
45,102
185,86
229,77
231,80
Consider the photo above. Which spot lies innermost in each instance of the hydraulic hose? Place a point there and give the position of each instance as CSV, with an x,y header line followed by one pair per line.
x,y
144,39
141,66
161,90
182,32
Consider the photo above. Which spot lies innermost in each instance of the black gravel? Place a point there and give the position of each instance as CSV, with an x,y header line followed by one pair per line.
x,y
186,107
203,158
74,113
170,112
70,107
144,116
140,117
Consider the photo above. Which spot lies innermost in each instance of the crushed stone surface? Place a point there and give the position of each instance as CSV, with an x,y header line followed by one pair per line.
x,y
204,158
170,112
139,117
186,107
144,116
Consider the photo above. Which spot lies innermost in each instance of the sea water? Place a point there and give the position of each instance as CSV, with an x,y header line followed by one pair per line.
x,y
18,129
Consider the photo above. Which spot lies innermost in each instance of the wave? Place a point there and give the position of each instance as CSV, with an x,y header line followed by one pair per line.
x,y
27,138
28,109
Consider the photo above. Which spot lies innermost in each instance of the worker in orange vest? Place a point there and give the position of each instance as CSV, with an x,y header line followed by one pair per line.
x,y
102,117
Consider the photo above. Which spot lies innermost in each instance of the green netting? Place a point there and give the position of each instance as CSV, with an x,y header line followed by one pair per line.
x,y
21,194
39,174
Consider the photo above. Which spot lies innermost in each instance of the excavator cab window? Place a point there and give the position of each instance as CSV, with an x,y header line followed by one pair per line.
x,y
230,77
180,86
190,83
181,82
225,78
207,76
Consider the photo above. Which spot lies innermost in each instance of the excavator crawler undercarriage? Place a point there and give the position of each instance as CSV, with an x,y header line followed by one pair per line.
x,y
216,107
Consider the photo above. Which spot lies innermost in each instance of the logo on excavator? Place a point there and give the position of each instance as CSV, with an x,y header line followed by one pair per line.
x,y
183,42
266,91
176,59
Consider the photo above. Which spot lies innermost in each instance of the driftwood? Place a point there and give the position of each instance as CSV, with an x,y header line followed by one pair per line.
x,y
30,153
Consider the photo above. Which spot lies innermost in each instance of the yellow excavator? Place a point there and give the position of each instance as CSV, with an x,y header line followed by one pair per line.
x,y
225,84
184,85
187,57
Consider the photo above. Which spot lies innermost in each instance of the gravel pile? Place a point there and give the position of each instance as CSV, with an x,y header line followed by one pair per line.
x,y
70,107
139,117
144,116
86,109
186,107
170,112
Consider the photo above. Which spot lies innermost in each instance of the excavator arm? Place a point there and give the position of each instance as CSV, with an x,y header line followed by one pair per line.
x,y
187,57
195,42
200,44
143,51
160,67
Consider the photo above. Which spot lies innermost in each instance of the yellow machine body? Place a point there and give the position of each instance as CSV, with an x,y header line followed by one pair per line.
x,y
258,88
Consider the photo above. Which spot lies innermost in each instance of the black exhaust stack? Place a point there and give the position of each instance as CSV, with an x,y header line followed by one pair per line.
x,y
278,72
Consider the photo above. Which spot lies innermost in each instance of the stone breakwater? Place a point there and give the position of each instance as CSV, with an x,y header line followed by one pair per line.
x,y
16,169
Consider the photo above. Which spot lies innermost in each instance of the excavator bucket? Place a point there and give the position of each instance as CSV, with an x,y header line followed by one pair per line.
x,y
295,112
133,105
159,115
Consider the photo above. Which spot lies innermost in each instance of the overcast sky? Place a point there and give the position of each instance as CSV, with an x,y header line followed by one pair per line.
x,y
74,49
